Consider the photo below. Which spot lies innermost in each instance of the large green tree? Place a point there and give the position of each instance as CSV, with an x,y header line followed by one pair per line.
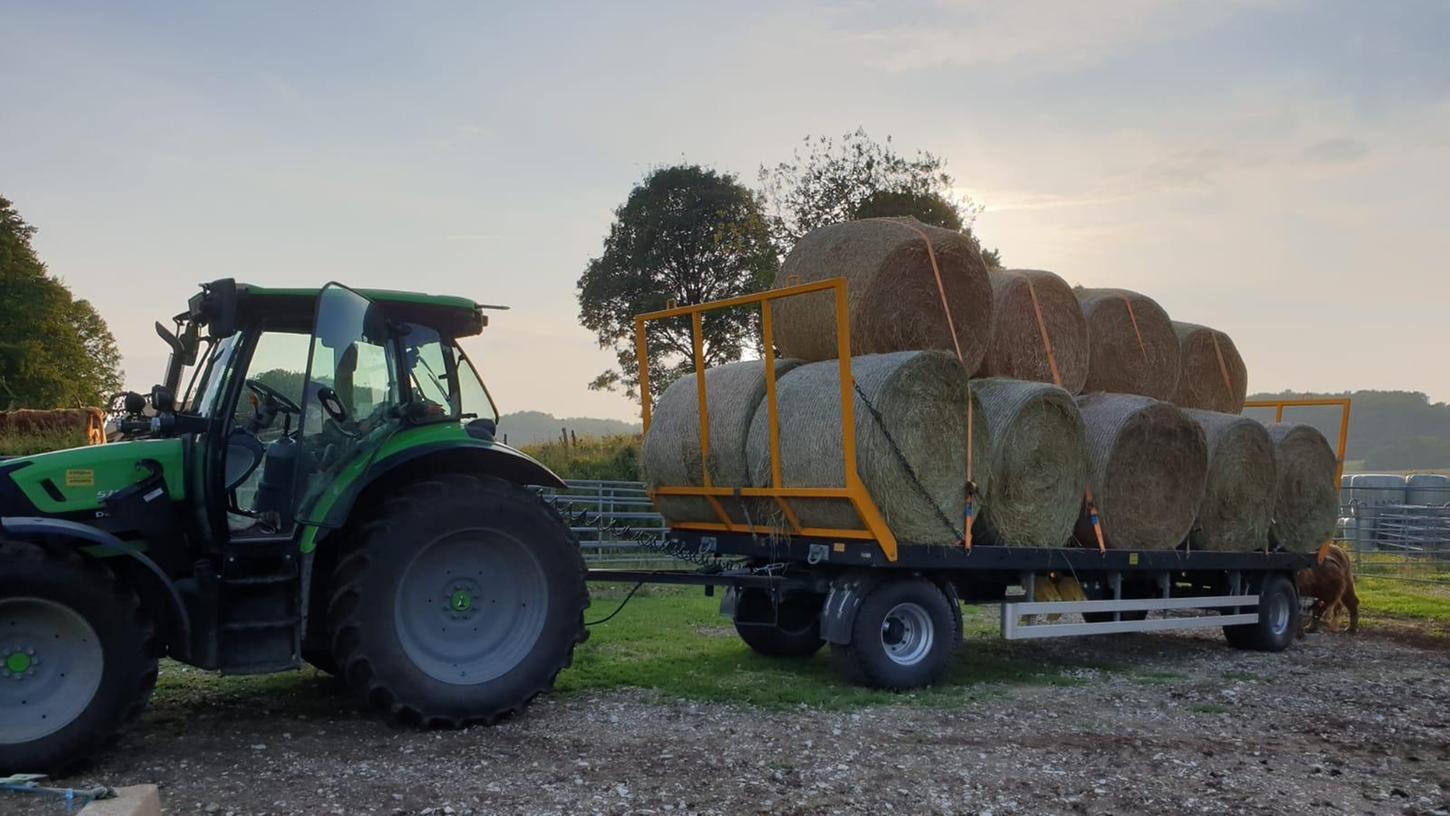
x,y
55,351
685,235
829,181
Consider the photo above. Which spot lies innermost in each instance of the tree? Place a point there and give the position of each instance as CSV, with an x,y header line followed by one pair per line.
x,y
55,351
685,235
859,178
928,208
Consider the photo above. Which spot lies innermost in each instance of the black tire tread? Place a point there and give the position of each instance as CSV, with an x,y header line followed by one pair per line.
x,y
141,684
355,667
861,671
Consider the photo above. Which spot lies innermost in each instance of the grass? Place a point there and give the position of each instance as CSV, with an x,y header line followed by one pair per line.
x,y
674,642
1403,599
12,444
609,458
668,640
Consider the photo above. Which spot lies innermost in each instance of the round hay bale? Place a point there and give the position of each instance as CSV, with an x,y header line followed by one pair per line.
x,y
892,296
1238,500
1211,374
1017,349
1133,347
915,402
1147,467
1036,465
672,447
1306,502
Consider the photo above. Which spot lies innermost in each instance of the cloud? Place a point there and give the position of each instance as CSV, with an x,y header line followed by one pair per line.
x,y
1336,151
1045,34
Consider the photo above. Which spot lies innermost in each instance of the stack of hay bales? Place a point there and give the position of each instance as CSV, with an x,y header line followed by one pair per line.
x,y
1051,394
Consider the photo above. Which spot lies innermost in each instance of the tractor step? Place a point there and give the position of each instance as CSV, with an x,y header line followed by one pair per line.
x,y
259,619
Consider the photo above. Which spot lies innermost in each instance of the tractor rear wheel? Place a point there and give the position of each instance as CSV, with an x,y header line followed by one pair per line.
x,y
458,603
77,658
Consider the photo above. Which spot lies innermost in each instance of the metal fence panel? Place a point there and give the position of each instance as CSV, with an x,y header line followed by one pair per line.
x,y
1393,537
605,514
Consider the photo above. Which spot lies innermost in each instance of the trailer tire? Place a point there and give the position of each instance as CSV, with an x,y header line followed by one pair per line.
x,y
458,602
1278,619
797,631
904,636
77,658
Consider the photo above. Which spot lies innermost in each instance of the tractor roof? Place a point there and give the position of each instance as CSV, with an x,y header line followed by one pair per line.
x,y
457,316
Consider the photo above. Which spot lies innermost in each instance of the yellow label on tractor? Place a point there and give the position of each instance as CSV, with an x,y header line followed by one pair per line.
x,y
80,478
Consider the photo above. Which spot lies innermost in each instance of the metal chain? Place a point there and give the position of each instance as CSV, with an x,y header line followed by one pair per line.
x,y
905,464
664,545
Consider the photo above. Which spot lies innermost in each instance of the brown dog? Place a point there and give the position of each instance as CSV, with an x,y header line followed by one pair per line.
x,y
1331,584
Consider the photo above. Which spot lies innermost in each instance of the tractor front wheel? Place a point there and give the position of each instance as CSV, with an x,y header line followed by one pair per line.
x,y
77,658
459,602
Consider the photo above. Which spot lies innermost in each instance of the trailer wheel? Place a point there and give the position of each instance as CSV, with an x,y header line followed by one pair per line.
x,y
1278,619
790,629
904,636
77,658
459,602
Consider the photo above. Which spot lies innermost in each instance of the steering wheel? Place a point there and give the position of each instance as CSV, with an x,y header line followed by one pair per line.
x,y
275,397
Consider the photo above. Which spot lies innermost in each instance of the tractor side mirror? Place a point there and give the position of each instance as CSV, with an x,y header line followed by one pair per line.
x,y
331,404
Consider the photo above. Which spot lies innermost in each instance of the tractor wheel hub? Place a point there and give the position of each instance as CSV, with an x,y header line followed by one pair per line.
x,y
20,662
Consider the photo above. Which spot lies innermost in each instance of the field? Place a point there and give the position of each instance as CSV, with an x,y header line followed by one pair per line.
x,y
665,711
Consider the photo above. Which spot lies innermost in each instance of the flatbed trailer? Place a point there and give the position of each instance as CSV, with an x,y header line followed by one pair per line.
x,y
891,611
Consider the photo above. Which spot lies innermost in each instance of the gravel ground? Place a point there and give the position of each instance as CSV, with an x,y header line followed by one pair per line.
x,y
1339,724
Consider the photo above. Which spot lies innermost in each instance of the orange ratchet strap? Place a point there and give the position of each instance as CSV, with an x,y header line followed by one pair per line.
x,y
1228,385
969,508
1142,349
1057,381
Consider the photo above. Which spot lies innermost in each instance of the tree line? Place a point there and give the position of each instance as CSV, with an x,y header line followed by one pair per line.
x,y
688,234
55,349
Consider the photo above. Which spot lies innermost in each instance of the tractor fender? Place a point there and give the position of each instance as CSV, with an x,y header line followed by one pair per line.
x,y
482,458
493,459
77,535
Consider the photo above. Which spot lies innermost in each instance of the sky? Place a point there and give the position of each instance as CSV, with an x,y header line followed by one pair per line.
x,y
1279,170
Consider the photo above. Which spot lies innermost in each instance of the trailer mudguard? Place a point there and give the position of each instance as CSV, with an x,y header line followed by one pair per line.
x,y
848,592
94,542
845,598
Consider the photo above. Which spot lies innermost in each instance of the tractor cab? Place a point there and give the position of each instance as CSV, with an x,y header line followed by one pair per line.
x,y
315,480
281,391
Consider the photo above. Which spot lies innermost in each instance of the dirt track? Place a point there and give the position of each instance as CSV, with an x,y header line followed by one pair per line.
x,y
1337,725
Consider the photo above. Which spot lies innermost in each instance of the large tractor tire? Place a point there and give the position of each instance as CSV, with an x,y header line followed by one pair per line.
x,y
77,658
458,602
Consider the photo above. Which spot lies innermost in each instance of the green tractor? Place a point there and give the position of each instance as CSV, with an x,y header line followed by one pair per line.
x,y
326,489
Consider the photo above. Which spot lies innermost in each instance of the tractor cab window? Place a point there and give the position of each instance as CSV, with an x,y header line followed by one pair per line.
x,y
209,384
443,384
473,394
